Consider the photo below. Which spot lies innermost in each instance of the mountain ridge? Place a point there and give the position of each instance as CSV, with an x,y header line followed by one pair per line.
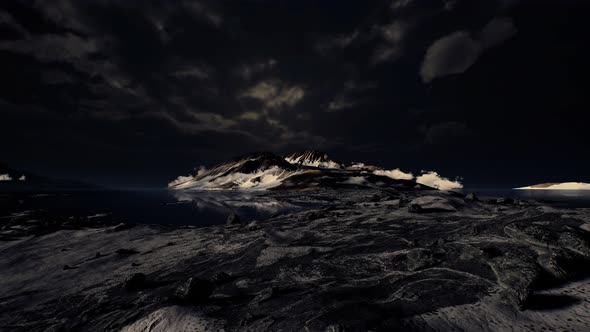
x,y
300,170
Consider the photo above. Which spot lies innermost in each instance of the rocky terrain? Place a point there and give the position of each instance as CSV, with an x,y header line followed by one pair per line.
x,y
358,260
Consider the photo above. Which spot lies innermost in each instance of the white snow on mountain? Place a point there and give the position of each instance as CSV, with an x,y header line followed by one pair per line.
x,y
261,180
312,159
433,179
558,186
263,170
395,174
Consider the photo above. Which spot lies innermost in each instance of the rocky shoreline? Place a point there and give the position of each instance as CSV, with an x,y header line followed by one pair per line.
x,y
364,260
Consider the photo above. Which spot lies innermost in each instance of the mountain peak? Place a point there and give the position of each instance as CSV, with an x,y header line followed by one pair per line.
x,y
312,158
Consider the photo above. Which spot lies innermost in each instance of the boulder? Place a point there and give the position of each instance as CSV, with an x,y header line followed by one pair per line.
x,y
516,275
472,197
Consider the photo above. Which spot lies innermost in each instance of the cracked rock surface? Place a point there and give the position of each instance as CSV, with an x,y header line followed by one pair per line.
x,y
360,260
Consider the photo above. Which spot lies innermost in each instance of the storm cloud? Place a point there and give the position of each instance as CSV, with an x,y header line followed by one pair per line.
x,y
457,52
128,93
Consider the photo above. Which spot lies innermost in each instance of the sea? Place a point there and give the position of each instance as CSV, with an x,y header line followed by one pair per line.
x,y
205,208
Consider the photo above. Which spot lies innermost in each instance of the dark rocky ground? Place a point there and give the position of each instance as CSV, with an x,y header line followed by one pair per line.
x,y
364,260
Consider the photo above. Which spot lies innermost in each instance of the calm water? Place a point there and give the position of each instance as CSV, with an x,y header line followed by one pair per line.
x,y
210,208
149,206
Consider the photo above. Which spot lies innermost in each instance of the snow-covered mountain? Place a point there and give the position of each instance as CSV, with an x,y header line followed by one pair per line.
x,y
558,186
260,170
302,170
313,159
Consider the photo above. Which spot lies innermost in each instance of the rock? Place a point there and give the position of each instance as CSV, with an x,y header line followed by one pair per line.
x,y
233,219
252,226
195,290
420,258
414,208
472,197
220,277
248,317
430,204
516,275
532,234
315,215
504,200
265,295
575,243
121,227
335,328
174,318
135,282
561,264
126,252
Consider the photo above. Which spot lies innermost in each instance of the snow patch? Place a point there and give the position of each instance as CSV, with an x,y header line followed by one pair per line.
x,y
433,179
261,180
5,177
395,174
312,159
358,180
558,186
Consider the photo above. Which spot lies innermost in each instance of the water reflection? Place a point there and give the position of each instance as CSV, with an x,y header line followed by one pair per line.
x,y
247,204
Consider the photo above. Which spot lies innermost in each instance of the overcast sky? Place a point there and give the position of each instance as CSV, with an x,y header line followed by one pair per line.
x,y
135,93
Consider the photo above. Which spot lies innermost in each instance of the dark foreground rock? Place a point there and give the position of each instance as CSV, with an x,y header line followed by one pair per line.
x,y
195,290
359,263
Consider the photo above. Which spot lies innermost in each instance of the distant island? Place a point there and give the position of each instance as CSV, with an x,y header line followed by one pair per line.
x,y
558,186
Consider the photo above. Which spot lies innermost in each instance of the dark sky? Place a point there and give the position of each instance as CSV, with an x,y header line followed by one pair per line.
x,y
135,93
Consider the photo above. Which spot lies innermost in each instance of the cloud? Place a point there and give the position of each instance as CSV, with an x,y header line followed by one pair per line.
x,y
433,179
48,48
398,4
250,116
457,52
198,72
450,4
352,94
393,35
497,31
204,12
336,43
339,103
247,71
451,54
274,94
395,174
